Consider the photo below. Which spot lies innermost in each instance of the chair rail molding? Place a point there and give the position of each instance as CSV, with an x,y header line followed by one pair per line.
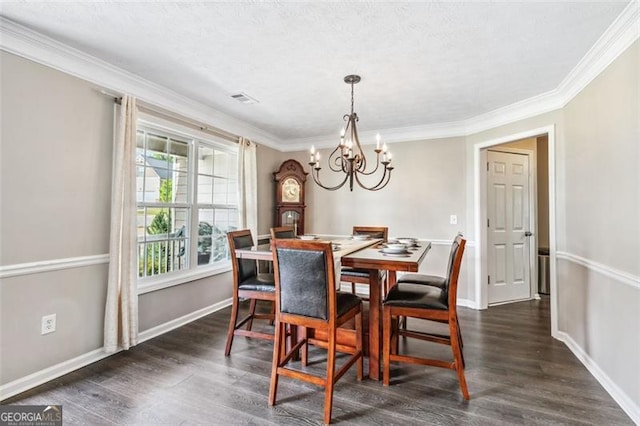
x,y
52,265
616,274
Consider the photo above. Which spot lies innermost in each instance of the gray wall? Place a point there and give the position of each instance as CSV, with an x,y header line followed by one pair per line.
x,y
601,313
55,181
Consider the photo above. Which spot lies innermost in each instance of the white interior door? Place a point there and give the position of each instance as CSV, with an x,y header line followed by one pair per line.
x,y
508,227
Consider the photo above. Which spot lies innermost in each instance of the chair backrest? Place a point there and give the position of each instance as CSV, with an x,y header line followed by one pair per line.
x,y
305,278
242,268
283,232
453,270
372,231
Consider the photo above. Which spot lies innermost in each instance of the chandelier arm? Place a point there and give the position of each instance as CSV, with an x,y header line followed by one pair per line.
x,y
386,176
362,164
315,173
336,161
349,157
374,170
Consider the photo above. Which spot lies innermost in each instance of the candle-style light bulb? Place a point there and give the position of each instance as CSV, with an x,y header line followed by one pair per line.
x,y
311,156
389,156
318,157
384,147
378,141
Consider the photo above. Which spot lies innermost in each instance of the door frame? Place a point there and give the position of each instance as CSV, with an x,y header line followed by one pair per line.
x,y
481,291
533,208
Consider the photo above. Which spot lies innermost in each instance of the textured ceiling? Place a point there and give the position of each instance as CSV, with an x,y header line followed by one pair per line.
x,y
421,63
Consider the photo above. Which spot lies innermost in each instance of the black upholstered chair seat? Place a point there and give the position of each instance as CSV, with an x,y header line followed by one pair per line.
x,y
430,280
261,282
417,296
346,301
354,272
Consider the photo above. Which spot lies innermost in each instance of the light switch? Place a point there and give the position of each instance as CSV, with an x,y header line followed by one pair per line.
x,y
453,219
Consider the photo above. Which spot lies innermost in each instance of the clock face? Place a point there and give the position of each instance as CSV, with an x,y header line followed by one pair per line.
x,y
290,191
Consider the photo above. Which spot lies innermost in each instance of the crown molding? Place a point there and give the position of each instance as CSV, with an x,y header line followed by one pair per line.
x,y
616,39
24,42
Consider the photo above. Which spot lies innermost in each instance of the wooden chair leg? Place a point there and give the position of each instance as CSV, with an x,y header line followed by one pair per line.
x,y
305,346
252,312
232,326
331,374
353,288
386,345
272,311
360,362
457,357
403,322
459,332
395,341
278,342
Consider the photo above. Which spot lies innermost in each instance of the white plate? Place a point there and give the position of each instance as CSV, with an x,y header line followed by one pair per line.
x,y
308,237
396,246
407,240
360,237
396,254
389,250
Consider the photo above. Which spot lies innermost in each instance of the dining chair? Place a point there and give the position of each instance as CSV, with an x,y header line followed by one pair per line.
x,y
306,297
427,303
361,276
283,232
429,280
248,283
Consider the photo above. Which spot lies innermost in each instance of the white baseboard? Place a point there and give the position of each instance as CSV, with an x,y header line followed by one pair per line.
x,y
625,402
39,377
143,336
467,303
35,379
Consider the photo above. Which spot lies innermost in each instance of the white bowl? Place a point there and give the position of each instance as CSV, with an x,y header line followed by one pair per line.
x,y
396,246
361,237
394,250
308,237
408,240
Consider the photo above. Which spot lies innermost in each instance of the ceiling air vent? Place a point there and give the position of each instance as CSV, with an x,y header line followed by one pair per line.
x,y
244,98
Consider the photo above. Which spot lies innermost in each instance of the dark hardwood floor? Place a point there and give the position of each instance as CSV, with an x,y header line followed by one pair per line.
x,y
517,374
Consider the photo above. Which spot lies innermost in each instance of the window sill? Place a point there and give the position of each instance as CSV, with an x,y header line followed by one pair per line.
x,y
159,283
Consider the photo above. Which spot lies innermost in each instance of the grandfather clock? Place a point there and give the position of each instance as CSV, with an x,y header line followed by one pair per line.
x,y
290,180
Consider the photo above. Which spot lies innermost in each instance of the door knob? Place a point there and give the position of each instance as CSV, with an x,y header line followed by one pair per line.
x,y
528,234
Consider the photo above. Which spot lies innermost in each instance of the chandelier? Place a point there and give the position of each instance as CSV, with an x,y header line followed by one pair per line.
x,y
349,157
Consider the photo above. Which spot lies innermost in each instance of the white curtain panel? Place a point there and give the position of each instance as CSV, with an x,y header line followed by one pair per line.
x,y
247,186
121,312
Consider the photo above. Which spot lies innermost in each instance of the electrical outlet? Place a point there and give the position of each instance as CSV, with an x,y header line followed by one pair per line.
x,y
48,324
453,219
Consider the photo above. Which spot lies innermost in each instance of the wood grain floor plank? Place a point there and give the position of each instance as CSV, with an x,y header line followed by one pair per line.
x,y
517,375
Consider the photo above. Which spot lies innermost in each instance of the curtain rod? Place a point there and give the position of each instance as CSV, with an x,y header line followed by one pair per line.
x,y
177,118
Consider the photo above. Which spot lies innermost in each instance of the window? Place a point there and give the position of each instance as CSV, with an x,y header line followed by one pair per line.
x,y
186,200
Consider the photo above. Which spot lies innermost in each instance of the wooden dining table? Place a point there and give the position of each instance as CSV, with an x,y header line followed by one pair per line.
x,y
374,260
